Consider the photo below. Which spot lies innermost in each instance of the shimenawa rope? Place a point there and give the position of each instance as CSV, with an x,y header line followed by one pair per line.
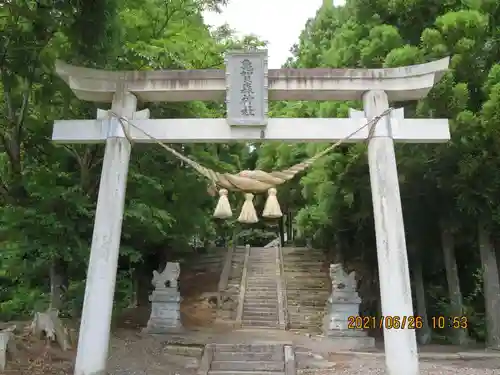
x,y
249,182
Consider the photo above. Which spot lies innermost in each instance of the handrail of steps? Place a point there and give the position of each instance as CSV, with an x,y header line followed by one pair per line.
x,y
243,286
283,284
224,276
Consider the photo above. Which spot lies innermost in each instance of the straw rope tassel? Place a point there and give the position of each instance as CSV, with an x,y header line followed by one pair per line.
x,y
223,208
248,214
272,208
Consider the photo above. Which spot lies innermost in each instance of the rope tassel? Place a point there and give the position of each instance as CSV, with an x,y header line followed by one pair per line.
x,y
223,208
272,209
248,214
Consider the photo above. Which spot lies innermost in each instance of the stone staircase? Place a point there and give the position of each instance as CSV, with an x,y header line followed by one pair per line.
x,y
307,287
248,359
263,300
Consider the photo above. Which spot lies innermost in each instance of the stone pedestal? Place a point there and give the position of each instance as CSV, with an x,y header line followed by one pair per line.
x,y
343,308
165,311
165,301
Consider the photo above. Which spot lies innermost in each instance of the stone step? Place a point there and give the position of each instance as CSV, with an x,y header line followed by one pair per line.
x,y
308,294
245,348
259,316
256,264
313,278
265,301
259,323
305,315
231,372
260,305
266,276
258,309
255,298
306,280
261,293
256,286
305,310
249,356
247,365
254,289
311,304
291,285
264,288
267,281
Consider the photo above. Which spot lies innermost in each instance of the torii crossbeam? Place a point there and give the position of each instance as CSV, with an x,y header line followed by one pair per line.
x,y
247,120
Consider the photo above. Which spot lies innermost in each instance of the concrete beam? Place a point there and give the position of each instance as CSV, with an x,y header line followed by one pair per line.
x,y
405,83
278,129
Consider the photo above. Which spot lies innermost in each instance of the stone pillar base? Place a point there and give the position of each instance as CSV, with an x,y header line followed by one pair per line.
x,y
165,311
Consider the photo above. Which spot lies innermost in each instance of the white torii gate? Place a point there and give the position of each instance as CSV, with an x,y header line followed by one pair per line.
x,y
247,92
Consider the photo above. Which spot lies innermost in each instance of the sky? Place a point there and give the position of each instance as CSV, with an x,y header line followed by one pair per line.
x,y
279,22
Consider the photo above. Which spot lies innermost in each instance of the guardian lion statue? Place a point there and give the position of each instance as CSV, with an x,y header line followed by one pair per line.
x,y
170,273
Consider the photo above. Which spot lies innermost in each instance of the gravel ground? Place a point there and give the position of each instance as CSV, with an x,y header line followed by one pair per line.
x,y
375,366
134,355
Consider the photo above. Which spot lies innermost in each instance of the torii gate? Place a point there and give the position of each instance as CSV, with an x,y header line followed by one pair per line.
x,y
246,83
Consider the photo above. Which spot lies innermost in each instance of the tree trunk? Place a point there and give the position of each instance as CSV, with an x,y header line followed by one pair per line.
x,y
142,282
491,285
282,230
57,284
424,334
289,220
496,248
459,336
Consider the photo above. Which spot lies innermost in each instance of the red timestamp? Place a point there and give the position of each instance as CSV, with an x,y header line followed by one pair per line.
x,y
384,322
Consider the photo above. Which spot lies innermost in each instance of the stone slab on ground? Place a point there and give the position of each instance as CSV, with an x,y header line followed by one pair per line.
x,y
256,358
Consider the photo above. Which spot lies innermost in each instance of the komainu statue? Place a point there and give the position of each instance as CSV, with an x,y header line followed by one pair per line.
x,y
170,274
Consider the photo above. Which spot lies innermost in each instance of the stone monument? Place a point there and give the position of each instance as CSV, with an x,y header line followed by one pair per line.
x,y
343,308
165,301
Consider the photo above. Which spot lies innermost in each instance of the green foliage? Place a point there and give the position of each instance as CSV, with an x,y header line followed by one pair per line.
x,y
456,182
48,193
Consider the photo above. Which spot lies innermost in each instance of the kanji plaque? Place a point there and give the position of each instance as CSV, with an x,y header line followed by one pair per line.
x,y
246,85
